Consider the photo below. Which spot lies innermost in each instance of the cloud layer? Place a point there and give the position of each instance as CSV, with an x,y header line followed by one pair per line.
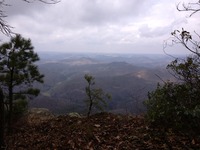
x,y
99,25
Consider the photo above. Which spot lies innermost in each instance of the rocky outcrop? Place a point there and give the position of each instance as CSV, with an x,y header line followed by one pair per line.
x,y
39,115
74,114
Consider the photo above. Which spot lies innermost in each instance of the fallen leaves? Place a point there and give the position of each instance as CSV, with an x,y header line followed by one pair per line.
x,y
101,131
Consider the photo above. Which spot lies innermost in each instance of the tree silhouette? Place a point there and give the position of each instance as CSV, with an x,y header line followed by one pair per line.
x,y
95,96
18,71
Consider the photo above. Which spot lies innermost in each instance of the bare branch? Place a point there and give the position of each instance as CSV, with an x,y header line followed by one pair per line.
x,y
190,7
184,37
44,1
5,28
160,78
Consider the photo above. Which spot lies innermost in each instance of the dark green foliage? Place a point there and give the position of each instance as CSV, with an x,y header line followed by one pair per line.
x,y
187,70
2,125
18,71
178,104
95,96
19,108
17,58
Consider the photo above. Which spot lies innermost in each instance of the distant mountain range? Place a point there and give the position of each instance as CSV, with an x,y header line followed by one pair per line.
x,y
128,78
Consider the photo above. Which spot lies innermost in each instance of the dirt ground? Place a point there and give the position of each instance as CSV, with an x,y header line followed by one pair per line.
x,y
102,131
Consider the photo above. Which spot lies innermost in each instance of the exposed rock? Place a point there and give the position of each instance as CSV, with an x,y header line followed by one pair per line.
x,y
39,115
74,114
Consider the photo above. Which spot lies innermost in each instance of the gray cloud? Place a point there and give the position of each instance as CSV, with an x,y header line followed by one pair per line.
x,y
99,12
83,13
97,25
19,7
146,31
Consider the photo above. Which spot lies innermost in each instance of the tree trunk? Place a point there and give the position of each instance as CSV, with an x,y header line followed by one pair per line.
x,y
90,99
10,110
90,109
10,103
2,123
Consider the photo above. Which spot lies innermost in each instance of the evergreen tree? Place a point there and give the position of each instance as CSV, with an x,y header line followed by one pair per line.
x,y
18,71
95,96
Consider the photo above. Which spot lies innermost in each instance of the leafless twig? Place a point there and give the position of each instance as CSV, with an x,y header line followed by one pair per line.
x,y
5,28
190,7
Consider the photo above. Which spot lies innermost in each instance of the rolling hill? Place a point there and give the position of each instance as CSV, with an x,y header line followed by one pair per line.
x,y
127,78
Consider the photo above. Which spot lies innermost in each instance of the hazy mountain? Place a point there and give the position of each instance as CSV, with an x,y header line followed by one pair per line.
x,y
128,78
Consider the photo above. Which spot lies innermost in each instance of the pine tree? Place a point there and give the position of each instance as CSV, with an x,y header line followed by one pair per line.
x,y
18,71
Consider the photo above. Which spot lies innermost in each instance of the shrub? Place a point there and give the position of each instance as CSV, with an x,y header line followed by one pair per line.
x,y
177,104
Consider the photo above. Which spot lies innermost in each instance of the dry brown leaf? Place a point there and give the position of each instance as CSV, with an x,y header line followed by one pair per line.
x,y
97,125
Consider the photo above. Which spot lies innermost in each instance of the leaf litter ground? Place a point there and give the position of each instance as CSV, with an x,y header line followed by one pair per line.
x,y
102,131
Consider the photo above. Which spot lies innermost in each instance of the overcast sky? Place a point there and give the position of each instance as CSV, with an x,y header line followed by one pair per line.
x,y
112,26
